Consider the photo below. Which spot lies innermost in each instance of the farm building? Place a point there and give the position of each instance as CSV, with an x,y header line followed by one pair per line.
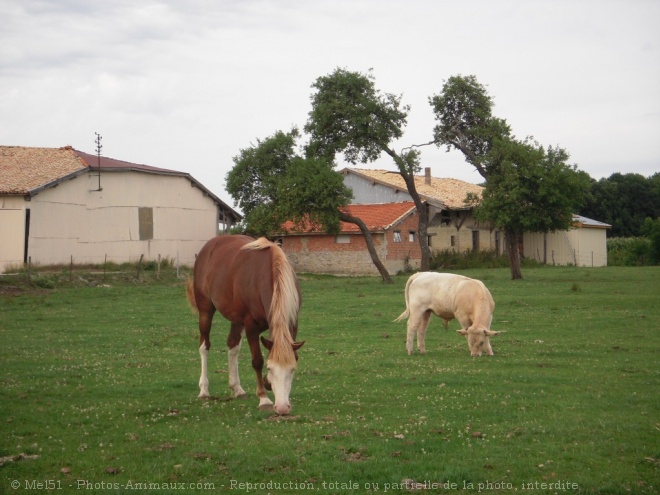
x,y
60,204
392,226
452,226
583,245
451,222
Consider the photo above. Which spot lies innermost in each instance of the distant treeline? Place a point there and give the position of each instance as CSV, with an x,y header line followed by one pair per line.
x,y
624,201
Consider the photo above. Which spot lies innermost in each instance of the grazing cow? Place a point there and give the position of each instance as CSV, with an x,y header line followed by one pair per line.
x,y
449,296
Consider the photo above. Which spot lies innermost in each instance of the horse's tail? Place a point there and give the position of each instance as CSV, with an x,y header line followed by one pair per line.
x,y
406,313
285,303
190,292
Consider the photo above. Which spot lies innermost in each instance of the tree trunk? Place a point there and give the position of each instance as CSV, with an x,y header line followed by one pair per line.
x,y
425,262
511,239
344,217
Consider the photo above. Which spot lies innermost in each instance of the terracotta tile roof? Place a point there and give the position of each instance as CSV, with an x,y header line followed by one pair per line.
x,y
449,192
377,217
25,169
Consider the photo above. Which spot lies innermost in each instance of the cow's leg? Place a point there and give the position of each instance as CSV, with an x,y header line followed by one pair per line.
x,y
421,331
234,346
205,320
265,404
413,321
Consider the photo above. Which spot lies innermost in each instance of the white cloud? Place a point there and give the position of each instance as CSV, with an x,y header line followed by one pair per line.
x,y
187,84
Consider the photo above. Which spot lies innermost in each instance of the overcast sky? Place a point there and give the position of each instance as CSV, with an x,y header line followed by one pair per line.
x,y
186,84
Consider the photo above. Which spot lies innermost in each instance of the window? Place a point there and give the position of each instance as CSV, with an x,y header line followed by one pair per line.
x,y
475,240
343,239
453,241
146,219
397,236
411,236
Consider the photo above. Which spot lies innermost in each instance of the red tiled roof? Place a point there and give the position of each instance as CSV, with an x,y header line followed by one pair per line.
x,y
377,217
25,169
450,192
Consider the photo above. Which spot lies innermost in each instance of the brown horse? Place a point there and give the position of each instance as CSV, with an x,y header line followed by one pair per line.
x,y
252,284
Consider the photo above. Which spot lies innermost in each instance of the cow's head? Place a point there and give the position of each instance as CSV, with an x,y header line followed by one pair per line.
x,y
479,340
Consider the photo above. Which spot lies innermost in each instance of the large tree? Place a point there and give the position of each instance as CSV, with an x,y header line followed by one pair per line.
x,y
350,116
528,188
273,184
624,201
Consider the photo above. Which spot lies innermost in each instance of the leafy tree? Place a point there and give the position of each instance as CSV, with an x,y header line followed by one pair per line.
x,y
528,188
624,201
273,184
350,116
253,182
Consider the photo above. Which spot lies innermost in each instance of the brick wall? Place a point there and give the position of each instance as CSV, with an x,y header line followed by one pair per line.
x,y
320,253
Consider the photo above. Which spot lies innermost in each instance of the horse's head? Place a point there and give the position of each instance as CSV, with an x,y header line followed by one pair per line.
x,y
281,367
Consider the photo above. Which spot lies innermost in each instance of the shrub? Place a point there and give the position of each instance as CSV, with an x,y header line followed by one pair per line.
x,y
629,251
448,259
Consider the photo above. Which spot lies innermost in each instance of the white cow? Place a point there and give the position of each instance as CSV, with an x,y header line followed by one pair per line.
x,y
449,296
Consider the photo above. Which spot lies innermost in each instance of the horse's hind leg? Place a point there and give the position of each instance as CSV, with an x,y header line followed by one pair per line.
x,y
234,345
205,319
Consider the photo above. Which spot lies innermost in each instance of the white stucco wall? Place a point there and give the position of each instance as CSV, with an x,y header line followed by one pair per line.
x,y
72,219
578,246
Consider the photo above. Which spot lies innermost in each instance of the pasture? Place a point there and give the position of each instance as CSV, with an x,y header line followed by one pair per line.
x,y
99,393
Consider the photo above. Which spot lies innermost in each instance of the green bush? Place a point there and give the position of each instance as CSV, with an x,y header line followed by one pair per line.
x,y
629,251
448,259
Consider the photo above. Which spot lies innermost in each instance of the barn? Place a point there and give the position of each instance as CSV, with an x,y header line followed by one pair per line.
x,y
59,205
583,245
392,226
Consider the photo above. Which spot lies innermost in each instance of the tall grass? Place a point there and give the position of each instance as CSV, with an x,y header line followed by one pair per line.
x,y
99,386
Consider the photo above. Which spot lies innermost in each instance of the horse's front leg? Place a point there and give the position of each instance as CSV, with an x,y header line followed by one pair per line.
x,y
205,320
234,345
265,404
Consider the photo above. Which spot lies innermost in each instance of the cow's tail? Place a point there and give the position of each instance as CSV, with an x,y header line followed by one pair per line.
x,y
190,292
403,315
406,313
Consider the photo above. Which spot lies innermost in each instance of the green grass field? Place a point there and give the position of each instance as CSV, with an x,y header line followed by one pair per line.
x,y
99,393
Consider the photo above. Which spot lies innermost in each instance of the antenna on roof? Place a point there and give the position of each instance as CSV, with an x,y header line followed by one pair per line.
x,y
99,146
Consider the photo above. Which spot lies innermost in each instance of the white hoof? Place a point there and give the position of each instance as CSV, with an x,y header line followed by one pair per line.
x,y
265,404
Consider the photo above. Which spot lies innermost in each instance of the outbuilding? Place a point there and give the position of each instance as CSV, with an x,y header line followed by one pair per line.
x,y
392,227
59,205
583,245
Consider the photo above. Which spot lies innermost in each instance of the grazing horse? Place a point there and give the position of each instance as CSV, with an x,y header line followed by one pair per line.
x,y
251,283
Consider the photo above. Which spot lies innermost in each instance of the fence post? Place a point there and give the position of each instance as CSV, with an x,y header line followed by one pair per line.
x,y
139,267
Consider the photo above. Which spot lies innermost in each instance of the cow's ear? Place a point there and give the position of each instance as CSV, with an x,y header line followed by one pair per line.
x,y
493,333
462,331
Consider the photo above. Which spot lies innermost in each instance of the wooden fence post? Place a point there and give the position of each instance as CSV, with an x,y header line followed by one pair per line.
x,y
139,267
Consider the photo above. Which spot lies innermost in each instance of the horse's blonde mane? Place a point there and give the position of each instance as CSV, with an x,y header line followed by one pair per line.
x,y
284,305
